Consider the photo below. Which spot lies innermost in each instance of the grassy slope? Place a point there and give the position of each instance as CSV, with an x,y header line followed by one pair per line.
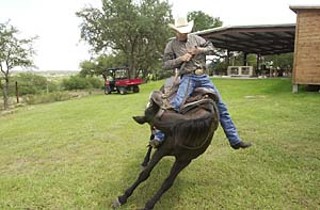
x,y
81,154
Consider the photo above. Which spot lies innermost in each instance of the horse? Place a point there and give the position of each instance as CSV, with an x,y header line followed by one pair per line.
x,y
188,135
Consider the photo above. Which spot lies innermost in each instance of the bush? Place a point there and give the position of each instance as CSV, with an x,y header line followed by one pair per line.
x,y
95,82
77,82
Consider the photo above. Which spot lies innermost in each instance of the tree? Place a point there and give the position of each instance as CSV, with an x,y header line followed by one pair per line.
x,y
203,21
283,62
14,52
137,30
87,68
98,65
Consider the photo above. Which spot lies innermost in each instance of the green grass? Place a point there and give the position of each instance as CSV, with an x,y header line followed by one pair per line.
x,y
82,153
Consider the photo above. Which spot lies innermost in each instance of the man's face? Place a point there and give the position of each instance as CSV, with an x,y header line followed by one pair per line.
x,y
181,37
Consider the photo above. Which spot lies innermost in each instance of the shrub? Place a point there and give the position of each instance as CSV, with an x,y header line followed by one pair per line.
x,y
95,82
77,82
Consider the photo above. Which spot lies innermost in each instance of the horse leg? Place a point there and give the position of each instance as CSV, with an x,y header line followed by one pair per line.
x,y
175,170
157,156
146,158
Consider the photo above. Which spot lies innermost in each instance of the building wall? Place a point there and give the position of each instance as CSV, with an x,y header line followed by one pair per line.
x,y
306,68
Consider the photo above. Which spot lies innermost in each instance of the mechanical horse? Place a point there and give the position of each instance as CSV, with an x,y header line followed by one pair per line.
x,y
188,135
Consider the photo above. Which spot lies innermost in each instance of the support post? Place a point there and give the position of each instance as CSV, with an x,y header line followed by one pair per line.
x,y
295,88
245,58
257,71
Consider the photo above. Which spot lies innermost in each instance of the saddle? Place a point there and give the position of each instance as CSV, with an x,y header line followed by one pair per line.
x,y
199,96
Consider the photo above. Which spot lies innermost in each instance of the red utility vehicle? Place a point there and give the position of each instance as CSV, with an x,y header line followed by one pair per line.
x,y
117,80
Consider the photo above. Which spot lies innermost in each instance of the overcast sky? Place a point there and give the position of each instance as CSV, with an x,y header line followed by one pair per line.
x,y
55,22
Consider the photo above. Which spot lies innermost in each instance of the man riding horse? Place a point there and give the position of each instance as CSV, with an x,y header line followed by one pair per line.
x,y
189,129
188,52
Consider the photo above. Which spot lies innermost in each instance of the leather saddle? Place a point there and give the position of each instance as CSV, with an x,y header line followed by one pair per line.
x,y
199,96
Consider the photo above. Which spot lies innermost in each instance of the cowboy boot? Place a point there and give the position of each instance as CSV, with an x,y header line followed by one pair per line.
x,y
242,145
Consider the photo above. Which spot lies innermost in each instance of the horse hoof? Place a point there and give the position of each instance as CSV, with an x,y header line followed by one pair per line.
x,y
139,119
116,204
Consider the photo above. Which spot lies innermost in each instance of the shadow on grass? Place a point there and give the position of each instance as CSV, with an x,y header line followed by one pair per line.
x,y
146,189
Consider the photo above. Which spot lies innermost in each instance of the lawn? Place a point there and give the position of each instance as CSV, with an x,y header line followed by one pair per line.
x,y
83,153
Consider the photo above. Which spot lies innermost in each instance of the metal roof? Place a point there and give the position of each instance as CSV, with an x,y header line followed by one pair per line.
x,y
258,39
296,8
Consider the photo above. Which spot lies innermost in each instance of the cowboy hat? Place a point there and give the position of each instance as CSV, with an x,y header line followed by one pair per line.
x,y
182,25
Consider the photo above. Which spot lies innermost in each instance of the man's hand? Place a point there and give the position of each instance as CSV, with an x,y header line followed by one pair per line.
x,y
186,57
196,50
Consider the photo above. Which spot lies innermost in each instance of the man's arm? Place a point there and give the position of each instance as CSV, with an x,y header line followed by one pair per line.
x,y
170,61
208,47
203,46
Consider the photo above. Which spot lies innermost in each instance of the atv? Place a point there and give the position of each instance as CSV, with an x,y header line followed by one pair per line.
x,y
117,80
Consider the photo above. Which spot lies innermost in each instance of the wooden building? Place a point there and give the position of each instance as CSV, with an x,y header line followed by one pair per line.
x,y
306,67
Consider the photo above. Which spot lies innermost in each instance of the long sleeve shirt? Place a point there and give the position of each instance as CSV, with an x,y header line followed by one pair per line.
x,y
175,48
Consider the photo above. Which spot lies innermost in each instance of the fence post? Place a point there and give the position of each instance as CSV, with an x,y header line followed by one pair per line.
x,y
17,92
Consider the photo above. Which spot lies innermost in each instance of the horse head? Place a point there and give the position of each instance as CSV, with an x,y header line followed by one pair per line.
x,y
152,109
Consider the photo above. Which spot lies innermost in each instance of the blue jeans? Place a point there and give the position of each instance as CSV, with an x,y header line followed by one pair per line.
x,y
158,135
187,84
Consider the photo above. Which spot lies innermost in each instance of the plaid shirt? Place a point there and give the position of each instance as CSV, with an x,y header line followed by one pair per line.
x,y
175,48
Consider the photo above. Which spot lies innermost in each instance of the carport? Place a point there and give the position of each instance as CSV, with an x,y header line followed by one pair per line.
x,y
253,39
301,38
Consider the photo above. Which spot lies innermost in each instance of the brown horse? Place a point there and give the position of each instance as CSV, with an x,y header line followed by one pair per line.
x,y
188,135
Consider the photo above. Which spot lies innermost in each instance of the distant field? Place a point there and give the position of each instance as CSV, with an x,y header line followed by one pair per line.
x,y
82,153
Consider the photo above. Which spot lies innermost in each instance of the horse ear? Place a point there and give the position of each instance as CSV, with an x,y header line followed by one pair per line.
x,y
156,98
140,119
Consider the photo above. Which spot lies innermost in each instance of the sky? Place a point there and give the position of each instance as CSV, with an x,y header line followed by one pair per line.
x,y
55,23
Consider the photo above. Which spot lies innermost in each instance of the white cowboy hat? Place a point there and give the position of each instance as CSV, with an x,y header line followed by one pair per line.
x,y
182,25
